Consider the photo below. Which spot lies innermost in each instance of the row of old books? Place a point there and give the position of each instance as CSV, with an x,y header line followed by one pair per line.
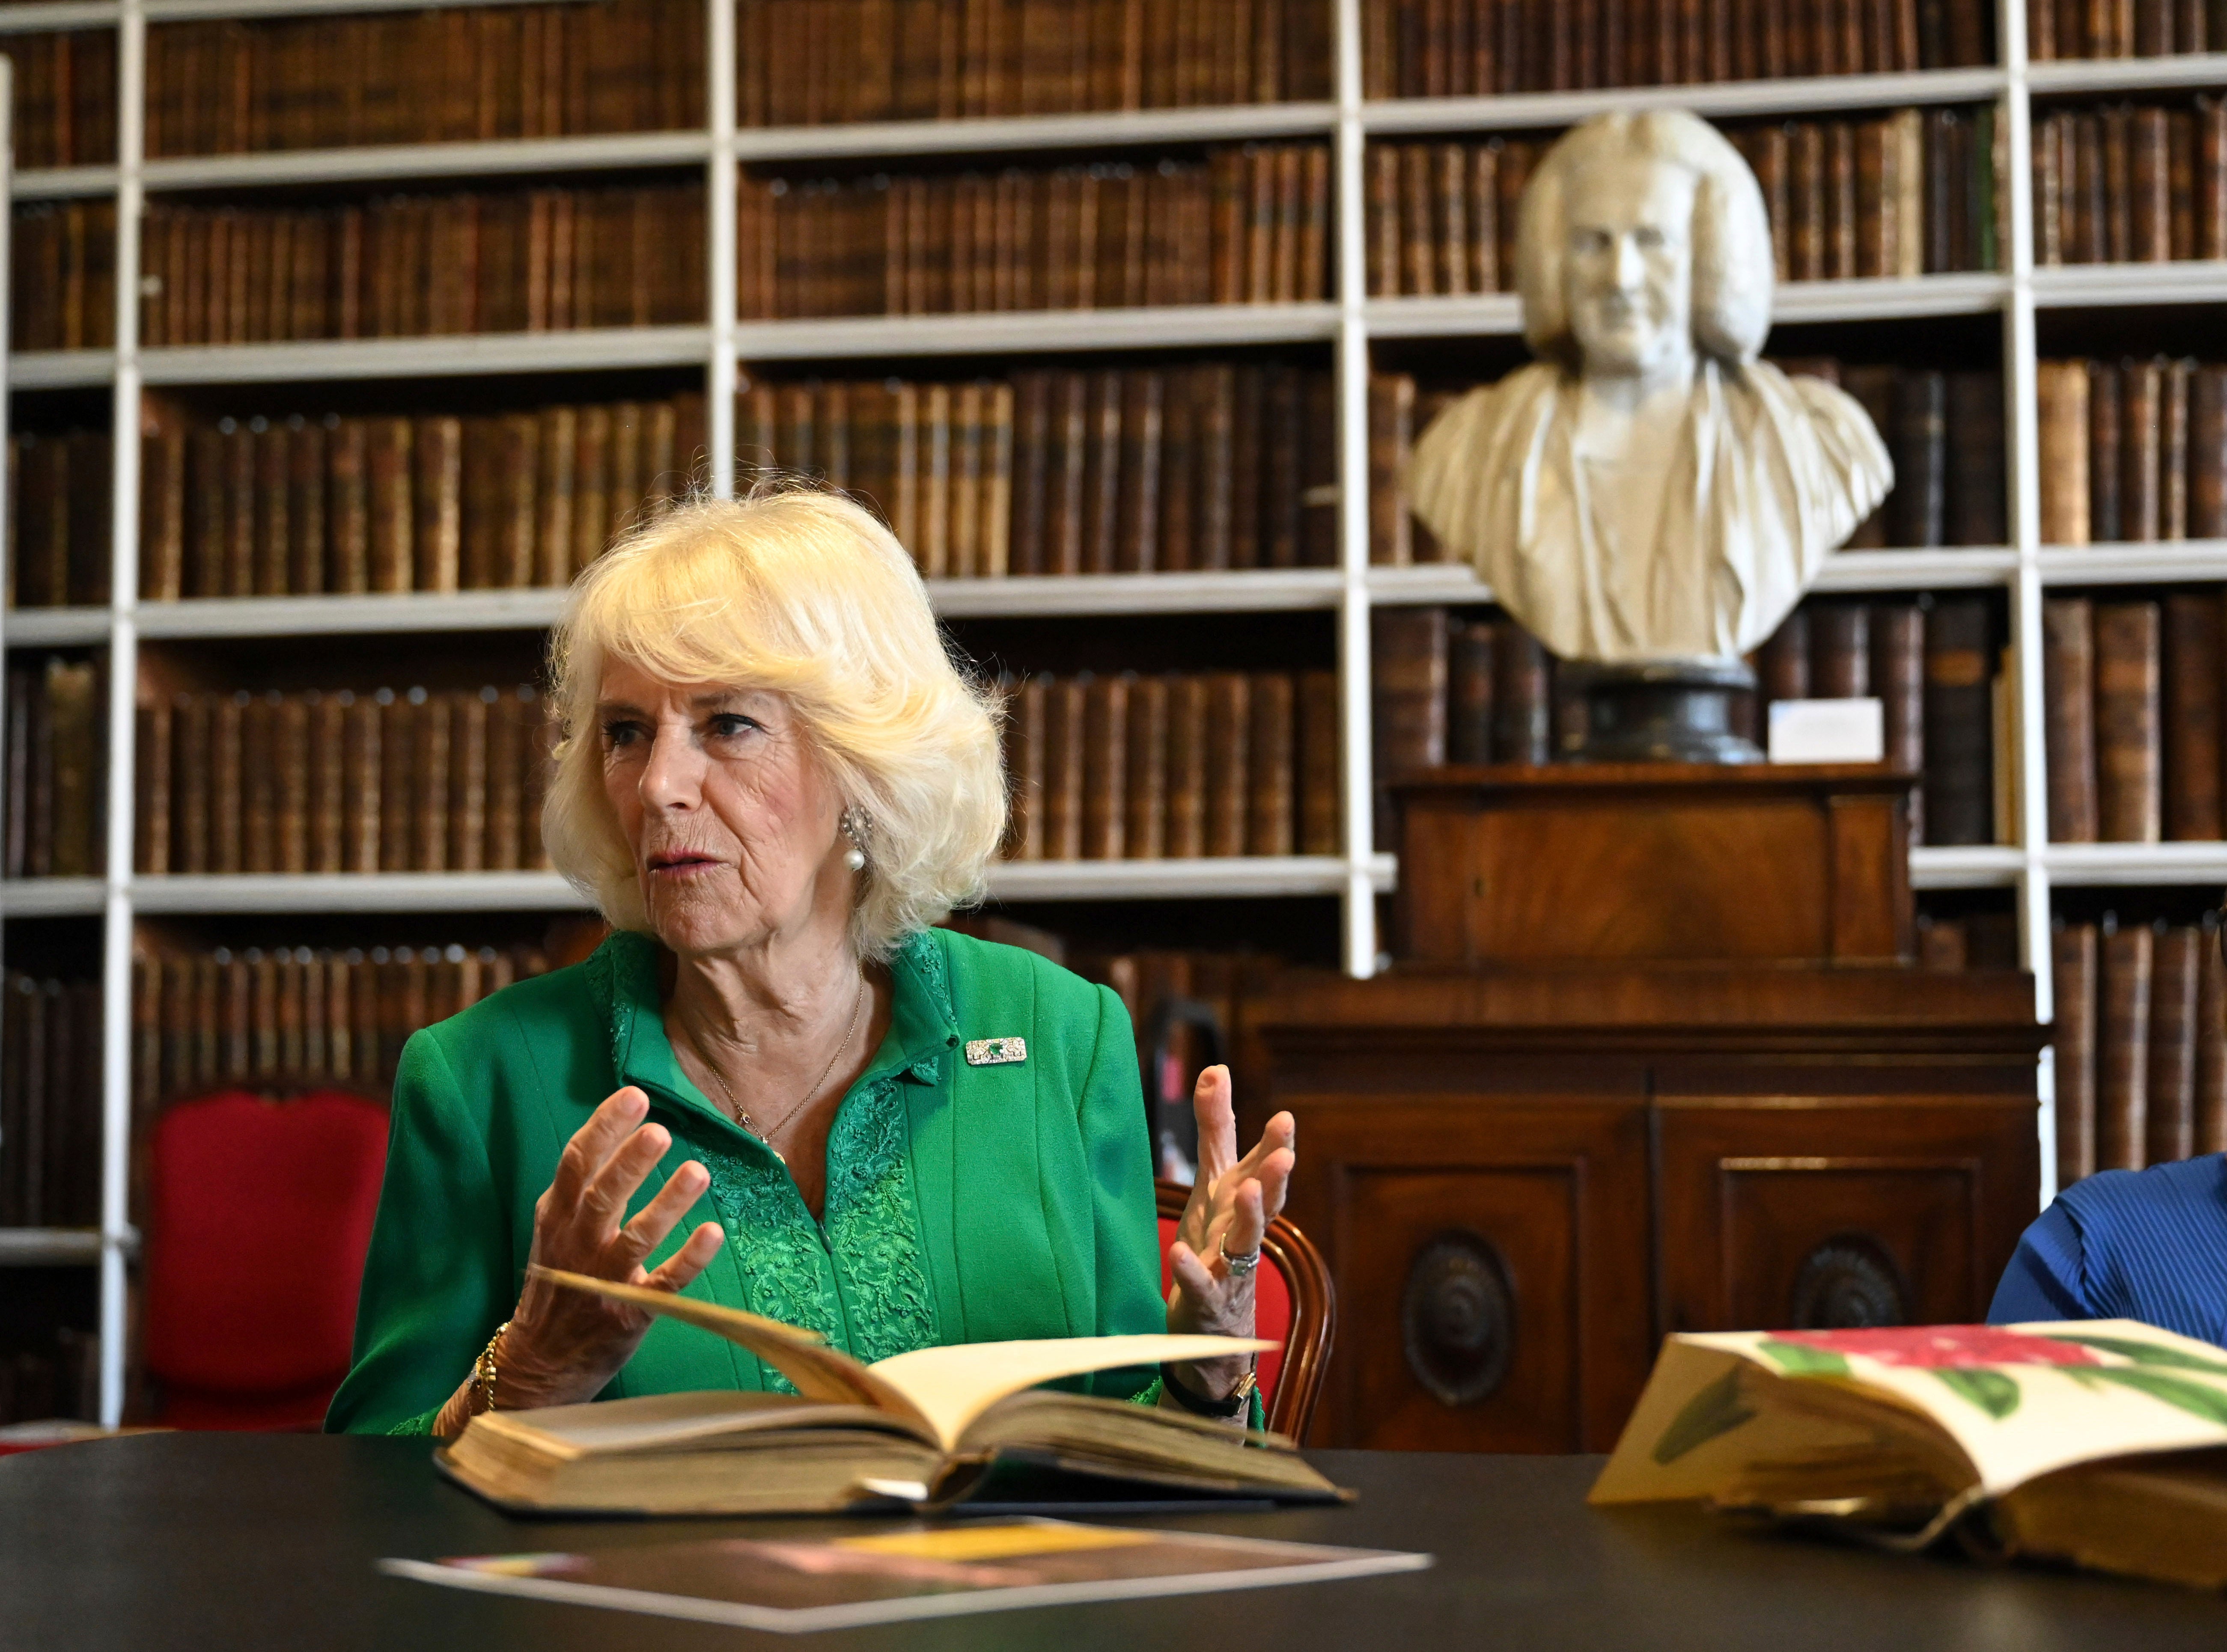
x,y
59,506
294,506
1118,766
1945,492
2132,717
2128,184
1249,225
285,1016
421,781
814,62
2141,1044
406,266
61,262
1479,689
1975,941
50,1043
1432,48
438,75
2058,30
1935,667
57,783
1117,470
65,97
36,1385
1906,194
2132,450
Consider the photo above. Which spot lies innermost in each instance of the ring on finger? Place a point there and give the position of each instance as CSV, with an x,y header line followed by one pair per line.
x,y
1242,1264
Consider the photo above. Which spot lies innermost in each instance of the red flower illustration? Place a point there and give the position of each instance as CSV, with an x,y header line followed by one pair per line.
x,y
1945,1347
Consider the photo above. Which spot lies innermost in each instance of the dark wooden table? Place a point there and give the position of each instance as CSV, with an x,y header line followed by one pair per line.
x,y
254,1541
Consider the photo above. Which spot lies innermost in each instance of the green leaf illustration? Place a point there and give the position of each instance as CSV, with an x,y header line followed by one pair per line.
x,y
1991,1391
2145,1353
1717,1409
2197,1399
1799,1359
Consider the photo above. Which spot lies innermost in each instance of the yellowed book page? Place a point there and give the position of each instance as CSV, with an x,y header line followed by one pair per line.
x,y
661,1421
953,1385
2017,1401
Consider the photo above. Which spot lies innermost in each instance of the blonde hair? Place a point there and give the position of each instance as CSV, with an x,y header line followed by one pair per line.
x,y
1732,269
802,592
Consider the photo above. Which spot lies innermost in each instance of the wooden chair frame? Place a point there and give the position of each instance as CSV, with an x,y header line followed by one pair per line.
x,y
1314,1315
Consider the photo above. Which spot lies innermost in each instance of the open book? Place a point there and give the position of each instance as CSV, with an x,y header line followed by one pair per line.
x,y
931,1427
2100,1442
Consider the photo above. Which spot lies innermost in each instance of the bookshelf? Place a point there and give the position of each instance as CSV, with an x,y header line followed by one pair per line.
x,y
723,348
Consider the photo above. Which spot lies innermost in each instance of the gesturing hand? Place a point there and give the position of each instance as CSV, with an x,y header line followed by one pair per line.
x,y
563,1346
1230,1207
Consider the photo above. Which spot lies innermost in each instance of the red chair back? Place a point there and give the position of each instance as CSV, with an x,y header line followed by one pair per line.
x,y
1293,1305
259,1213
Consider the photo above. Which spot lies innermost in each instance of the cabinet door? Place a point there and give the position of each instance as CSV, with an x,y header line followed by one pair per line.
x,y
1807,1212
1490,1262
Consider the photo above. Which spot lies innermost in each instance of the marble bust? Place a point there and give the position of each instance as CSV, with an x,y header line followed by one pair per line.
x,y
1647,490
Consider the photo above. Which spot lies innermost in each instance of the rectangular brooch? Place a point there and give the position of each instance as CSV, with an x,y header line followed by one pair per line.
x,y
996,1052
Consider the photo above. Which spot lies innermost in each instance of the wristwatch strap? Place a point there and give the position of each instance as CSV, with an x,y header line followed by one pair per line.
x,y
1223,1410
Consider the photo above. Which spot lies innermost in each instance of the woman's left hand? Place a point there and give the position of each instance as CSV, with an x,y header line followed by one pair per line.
x,y
1231,1205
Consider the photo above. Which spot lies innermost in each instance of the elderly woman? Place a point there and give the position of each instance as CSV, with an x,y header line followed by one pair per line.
x,y
775,1086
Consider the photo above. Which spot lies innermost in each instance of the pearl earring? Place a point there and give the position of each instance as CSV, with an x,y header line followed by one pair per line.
x,y
853,828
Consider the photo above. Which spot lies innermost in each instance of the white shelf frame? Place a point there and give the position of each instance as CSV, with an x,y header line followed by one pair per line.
x,y
725,348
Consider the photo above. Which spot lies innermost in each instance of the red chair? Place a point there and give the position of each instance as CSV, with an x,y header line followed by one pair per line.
x,y
1294,1304
260,1214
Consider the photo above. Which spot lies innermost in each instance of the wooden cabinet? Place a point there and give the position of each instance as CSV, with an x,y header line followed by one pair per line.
x,y
1522,1179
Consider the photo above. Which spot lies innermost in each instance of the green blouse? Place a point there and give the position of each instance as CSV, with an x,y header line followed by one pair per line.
x,y
965,1204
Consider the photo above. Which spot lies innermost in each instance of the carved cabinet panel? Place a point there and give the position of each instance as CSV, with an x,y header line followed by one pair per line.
x,y
1807,1212
1492,1282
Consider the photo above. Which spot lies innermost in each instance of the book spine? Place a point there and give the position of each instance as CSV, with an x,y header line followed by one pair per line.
x,y
2127,744
2192,725
2069,731
2170,1126
2073,963
2126,957
1958,733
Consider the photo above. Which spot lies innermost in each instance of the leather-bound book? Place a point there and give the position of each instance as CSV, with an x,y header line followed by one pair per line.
x,y
162,514
963,528
1481,215
362,774
1958,722
387,489
347,508
1418,255
1102,476
2211,1106
1137,531
1782,665
467,779
1187,767
2068,678
1144,790
1179,478
1469,691
1283,421
1244,468
1918,442
2149,202
2141,389
307,466
1391,415
1105,765
2173,449
556,450
204,516
1215,518
1319,771
2126,959
1271,769
1523,697
2105,467
594,510
518,438
227,838
291,741
1974,505
152,824
2061,391
2175,969
1387,238
1840,650
396,747
2128,733
1944,945
994,545
1318,472
1031,470
258,782
1228,760
2209,202
2073,968
1064,760
432,796
328,781
436,547
239,579
2192,720
1897,677
191,734
273,473
508,744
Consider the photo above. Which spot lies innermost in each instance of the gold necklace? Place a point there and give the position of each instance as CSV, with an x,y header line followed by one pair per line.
x,y
742,1114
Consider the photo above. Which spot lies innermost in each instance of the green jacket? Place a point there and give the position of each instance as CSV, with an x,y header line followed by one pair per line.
x,y
965,1204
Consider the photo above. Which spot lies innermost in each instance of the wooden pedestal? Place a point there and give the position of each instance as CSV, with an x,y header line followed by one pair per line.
x,y
1564,1129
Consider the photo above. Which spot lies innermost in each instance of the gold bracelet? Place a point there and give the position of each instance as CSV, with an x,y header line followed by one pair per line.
x,y
484,1373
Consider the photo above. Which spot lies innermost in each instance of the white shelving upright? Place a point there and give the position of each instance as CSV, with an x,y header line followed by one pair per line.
x,y
723,346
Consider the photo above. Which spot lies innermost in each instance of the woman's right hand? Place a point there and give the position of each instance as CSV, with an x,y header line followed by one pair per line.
x,y
565,1346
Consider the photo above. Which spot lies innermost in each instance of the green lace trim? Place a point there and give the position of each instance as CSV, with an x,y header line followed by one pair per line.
x,y
775,1247
420,1424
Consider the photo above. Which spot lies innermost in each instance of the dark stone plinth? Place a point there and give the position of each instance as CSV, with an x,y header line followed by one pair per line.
x,y
1672,710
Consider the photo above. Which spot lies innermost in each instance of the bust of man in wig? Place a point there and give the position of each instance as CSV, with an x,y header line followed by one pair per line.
x,y
1647,490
